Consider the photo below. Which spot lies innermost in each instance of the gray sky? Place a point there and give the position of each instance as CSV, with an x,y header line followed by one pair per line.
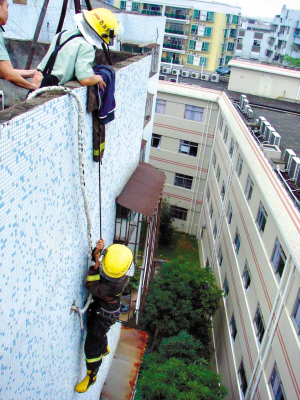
x,y
263,8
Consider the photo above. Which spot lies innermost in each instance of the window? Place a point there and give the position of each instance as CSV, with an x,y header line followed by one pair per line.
x,y
160,107
156,141
278,258
223,191
214,160
226,33
218,173
225,136
190,59
296,314
259,324
228,18
256,43
242,378
193,113
188,148
207,31
233,330
225,287
235,19
246,276
230,46
208,194
261,217
210,16
221,124
220,256
205,46
194,30
249,188
239,166
233,33
221,61
237,242
203,61
276,385
211,210
227,59
229,213
207,263
135,6
179,212
184,181
215,231
231,148
123,5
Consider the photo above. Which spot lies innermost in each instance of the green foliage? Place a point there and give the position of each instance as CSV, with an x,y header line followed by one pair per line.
x,y
292,62
182,244
166,228
176,380
184,297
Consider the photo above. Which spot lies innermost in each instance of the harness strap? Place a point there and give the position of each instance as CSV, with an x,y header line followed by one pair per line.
x,y
50,63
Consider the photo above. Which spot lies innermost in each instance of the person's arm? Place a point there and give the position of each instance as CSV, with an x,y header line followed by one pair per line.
x,y
26,73
8,73
92,81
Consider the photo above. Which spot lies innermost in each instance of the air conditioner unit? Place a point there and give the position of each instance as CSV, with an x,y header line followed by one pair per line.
x,y
267,130
287,157
172,80
204,77
297,179
275,138
185,73
294,167
246,109
162,77
195,54
166,70
195,75
246,103
250,113
215,77
261,122
175,72
243,97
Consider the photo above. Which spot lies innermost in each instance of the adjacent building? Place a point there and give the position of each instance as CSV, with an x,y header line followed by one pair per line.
x,y
227,185
198,34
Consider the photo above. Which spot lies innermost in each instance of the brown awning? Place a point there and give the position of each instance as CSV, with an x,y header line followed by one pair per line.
x,y
143,190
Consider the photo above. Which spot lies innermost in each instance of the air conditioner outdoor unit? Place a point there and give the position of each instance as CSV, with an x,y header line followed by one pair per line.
x,y
261,122
162,77
275,138
204,77
246,109
250,113
242,99
172,80
175,72
195,75
297,179
215,77
166,70
185,73
267,130
287,157
294,167
246,103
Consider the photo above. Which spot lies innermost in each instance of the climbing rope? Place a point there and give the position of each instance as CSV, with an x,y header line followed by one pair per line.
x,y
59,89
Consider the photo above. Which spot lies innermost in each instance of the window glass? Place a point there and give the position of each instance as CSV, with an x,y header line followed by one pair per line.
x,y
207,31
215,231
225,287
242,378
221,124
160,107
220,257
223,191
214,160
296,314
278,258
261,218
188,148
233,330
225,136
218,173
205,46
184,181
155,140
237,242
246,276
190,59
203,61
211,210
193,113
259,324
239,165
249,188
231,148
229,213
179,212
230,46
208,194
276,386
210,16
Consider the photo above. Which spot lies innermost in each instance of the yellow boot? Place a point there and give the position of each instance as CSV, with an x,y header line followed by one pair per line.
x,y
89,380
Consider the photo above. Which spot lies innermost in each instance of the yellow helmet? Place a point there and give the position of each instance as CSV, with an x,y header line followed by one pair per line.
x,y
116,262
103,22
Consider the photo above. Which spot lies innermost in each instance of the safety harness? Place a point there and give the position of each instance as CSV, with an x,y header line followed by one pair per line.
x,y
49,79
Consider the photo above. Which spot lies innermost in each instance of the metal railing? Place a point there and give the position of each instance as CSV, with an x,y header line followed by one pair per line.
x,y
177,16
173,46
149,12
176,31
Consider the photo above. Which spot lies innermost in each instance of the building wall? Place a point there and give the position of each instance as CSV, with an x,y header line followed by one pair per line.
x,y
265,84
44,240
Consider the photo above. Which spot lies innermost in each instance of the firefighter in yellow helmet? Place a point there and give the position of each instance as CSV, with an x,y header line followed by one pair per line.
x,y
72,53
106,280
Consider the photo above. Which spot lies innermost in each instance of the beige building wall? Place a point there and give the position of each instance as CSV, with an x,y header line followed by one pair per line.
x,y
274,82
274,296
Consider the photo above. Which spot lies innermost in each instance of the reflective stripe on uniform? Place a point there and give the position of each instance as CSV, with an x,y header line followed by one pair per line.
x,y
102,145
94,359
90,278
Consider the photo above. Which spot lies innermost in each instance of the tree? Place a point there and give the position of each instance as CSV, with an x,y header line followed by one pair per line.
x,y
166,228
176,372
184,297
290,61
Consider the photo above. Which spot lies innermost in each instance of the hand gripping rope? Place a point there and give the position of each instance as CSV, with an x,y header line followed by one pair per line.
x,y
59,89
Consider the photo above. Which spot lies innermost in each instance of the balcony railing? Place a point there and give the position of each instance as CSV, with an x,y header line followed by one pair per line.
x,y
177,16
149,12
173,46
175,31
255,49
169,59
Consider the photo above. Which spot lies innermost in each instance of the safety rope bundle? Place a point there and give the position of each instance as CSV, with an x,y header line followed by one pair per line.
x,y
59,89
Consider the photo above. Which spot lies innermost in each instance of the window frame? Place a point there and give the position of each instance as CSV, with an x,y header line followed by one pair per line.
x,y
187,181
195,111
229,213
157,138
231,148
225,135
233,329
296,312
242,378
246,276
211,210
239,165
190,145
220,256
221,124
259,324
261,218
214,160
223,191
249,188
237,241
275,374
225,287
207,194
215,231
218,173
162,103
179,210
278,248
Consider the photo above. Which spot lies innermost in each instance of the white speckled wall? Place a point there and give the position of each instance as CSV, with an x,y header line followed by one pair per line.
x,y
43,242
